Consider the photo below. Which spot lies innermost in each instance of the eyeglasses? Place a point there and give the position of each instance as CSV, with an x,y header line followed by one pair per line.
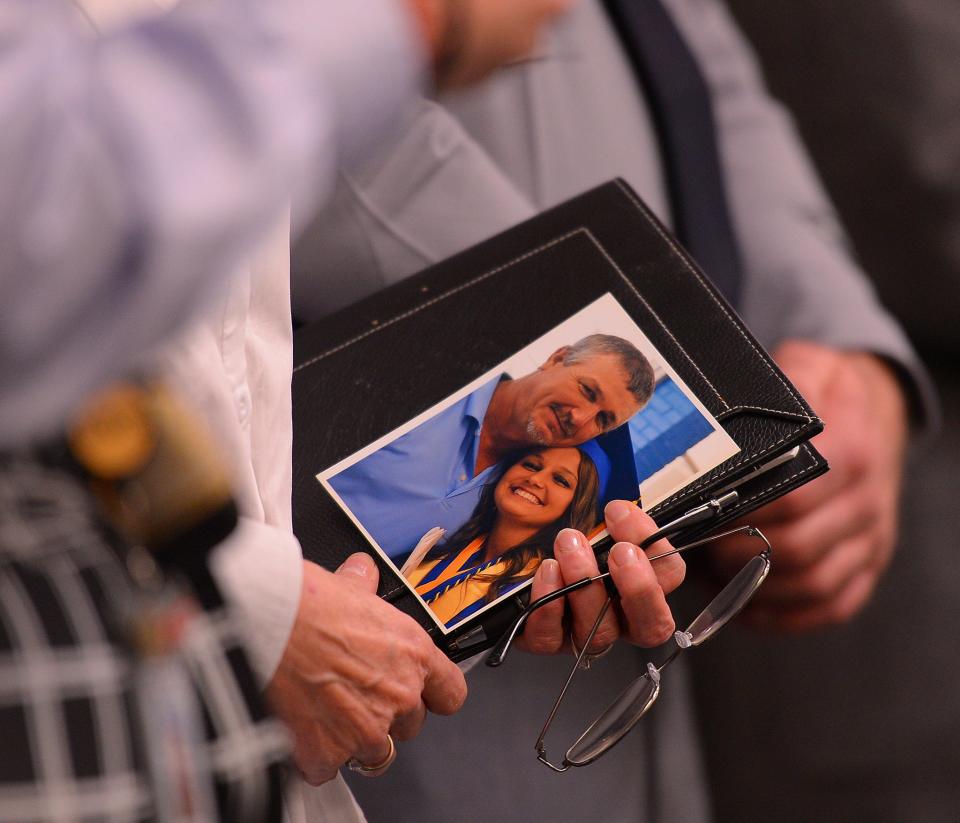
x,y
636,700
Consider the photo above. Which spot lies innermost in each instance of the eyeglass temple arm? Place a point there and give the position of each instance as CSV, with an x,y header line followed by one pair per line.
x,y
499,653
540,744
694,517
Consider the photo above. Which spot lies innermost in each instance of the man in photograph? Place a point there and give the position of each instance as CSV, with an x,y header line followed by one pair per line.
x,y
434,474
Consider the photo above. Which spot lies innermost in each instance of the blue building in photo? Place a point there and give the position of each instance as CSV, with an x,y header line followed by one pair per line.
x,y
665,429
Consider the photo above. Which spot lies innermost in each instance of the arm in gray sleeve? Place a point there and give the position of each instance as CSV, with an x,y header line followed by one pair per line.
x,y
432,192
136,168
801,278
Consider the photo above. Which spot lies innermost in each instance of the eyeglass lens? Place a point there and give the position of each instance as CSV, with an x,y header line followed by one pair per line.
x,y
635,701
729,602
620,716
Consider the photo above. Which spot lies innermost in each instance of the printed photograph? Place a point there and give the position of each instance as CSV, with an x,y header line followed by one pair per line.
x,y
465,500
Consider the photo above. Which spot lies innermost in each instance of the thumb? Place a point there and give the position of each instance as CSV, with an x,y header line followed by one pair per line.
x,y
360,569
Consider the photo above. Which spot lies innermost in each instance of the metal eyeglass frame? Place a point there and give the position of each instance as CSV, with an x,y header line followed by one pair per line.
x,y
635,701
645,689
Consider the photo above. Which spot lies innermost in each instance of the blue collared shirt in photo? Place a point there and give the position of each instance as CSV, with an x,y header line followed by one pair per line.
x,y
422,479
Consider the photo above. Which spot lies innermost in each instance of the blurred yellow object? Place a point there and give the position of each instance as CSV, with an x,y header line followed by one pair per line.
x,y
151,465
114,436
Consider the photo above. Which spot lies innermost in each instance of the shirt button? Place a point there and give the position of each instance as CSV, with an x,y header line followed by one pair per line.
x,y
443,139
243,406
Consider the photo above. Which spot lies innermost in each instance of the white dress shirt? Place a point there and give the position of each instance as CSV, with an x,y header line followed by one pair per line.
x,y
234,367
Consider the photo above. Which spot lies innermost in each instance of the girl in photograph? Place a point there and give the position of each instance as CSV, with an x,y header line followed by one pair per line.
x,y
512,529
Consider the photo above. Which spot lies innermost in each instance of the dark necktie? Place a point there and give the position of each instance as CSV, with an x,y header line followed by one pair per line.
x,y
680,103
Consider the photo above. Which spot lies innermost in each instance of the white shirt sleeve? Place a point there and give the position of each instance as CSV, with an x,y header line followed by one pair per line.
x,y
137,167
260,569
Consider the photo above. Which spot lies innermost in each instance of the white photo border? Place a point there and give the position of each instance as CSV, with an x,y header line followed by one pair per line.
x,y
604,315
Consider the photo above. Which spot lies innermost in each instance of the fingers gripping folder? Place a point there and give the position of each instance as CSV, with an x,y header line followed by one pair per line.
x,y
385,393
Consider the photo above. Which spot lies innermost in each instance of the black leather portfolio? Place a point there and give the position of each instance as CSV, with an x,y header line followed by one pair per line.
x,y
385,393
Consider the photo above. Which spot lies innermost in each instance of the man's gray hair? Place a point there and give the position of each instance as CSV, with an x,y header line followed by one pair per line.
x,y
640,378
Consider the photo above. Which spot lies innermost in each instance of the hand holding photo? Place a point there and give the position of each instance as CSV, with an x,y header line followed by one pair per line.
x,y
513,528
466,499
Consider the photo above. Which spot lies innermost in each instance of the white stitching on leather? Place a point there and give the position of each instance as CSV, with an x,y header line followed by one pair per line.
x,y
784,482
706,481
410,312
811,467
706,288
745,458
656,317
497,270
771,411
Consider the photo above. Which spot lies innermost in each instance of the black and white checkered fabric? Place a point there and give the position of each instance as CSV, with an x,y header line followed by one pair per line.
x,y
79,707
